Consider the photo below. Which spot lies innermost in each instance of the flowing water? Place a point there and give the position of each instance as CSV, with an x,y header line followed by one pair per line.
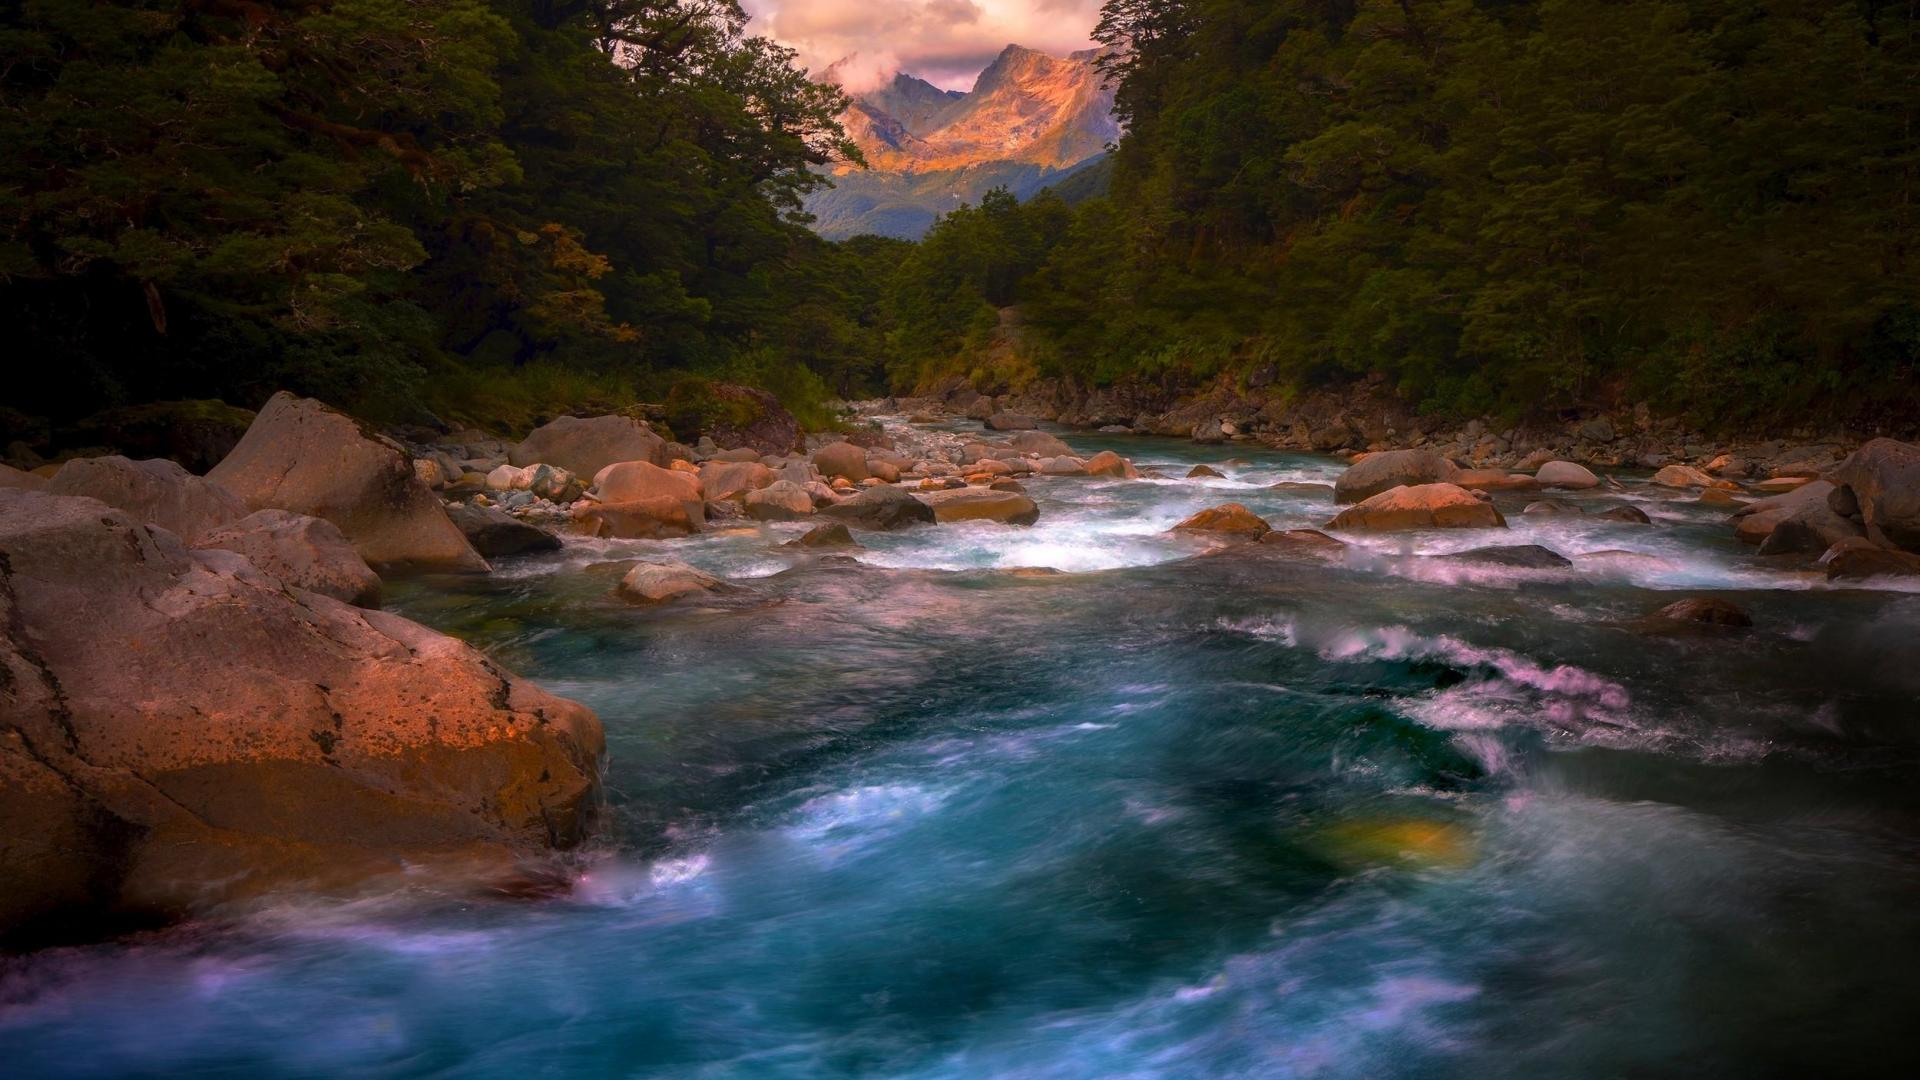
x,y
917,815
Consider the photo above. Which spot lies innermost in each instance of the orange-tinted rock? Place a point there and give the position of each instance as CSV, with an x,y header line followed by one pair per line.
x,y
584,446
1422,506
660,518
182,729
1229,520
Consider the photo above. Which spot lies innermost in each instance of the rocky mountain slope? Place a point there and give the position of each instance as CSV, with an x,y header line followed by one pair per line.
x,y
1030,121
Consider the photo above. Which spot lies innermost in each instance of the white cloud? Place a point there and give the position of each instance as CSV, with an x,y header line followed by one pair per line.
x,y
946,42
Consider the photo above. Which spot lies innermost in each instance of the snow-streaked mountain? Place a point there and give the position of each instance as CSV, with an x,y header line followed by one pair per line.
x,y
1028,117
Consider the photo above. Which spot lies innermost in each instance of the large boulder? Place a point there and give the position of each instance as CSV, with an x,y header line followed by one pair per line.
x,y
732,416
882,509
495,533
11,477
1039,444
726,479
183,730
982,504
1006,421
1756,521
663,517
302,456
1566,474
305,552
629,481
1420,506
1858,557
1882,479
841,459
782,500
585,446
156,492
1063,466
1108,463
1230,520
1376,473
1811,530
664,582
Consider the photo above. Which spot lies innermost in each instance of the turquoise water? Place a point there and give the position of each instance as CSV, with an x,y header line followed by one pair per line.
x,y
912,815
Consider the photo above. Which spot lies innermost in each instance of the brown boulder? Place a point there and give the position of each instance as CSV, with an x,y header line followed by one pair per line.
x,y
585,446
1002,421
1686,476
11,477
302,456
1882,479
494,532
1108,463
1391,469
663,582
1421,506
633,481
157,492
1205,472
726,479
841,459
1755,521
1228,519
882,509
831,535
1039,444
662,517
1306,542
981,504
1858,557
181,730
305,552
782,500
1811,530
1706,610
1566,474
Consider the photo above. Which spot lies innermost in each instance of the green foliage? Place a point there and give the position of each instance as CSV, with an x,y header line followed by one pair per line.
x,y
400,205
1501,205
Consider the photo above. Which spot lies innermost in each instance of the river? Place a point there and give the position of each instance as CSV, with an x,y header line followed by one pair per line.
x,y
1160,816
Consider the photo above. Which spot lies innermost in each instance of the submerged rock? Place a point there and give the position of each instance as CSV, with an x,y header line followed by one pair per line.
x,y
182,730
1231,520
302,551
1206,472
1706,610
302,456
663,582
1311,543
1526,556
1424,506
831,535
1377,473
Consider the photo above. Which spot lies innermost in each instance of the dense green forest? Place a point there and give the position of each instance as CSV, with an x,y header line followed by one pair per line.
x,y
488,210
483,208
1499,204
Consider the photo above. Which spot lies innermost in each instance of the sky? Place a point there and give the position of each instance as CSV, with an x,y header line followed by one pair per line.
x,y
946,42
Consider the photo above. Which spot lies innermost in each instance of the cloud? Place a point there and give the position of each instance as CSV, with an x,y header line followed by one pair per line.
x,y
946,42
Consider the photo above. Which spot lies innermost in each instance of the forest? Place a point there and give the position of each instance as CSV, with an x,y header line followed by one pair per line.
x,y
488,211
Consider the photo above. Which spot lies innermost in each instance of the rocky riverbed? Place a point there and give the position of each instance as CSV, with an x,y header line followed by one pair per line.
x,y
934,750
